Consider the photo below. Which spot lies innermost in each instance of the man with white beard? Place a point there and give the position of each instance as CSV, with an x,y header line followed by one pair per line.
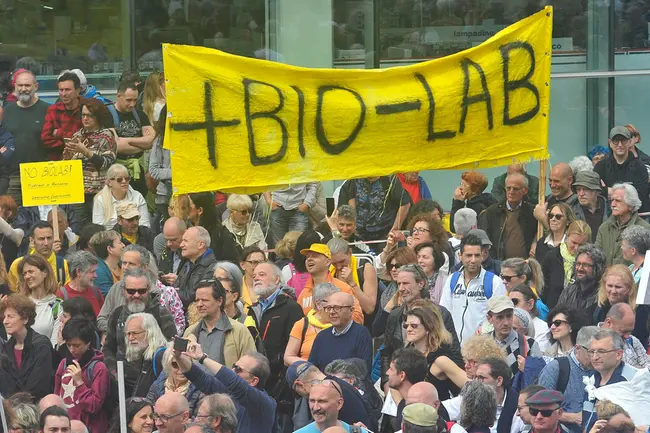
x,y
145,347
140,298
275,313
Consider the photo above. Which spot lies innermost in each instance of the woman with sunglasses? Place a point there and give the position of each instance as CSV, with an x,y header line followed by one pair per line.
x,y
172,379
558,265
94,144
525,298
117,190
240,222
425,330
564,322
139,417
396,259
516,271
82,379
560,216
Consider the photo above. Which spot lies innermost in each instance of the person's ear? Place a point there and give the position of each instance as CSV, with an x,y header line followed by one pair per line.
x,y
500,381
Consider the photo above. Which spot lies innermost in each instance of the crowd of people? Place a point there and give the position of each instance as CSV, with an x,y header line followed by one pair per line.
x,y
232,313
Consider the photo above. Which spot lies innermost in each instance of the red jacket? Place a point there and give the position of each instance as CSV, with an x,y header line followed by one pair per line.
x,y
65,122
85,402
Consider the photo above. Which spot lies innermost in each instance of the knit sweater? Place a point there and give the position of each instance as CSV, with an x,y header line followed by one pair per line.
x,y
355,343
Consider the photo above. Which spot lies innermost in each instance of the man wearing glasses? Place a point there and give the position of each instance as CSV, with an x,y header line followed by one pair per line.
x,y
556,377
606,350
545,408
345,339
171,413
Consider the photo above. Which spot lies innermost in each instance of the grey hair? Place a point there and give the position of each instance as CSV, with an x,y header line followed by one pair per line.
x,y
27,417
347,368
234,275
155,337
464,220
204,427
617,340
524,178
419,276
277,272
597,258
586,334
526,321
203,235
338,246
221,405
581,163
637,237
116,169
323,290
145,255
239,201
262,369
167,358
139,273
80,261
347,212
478,406
631,196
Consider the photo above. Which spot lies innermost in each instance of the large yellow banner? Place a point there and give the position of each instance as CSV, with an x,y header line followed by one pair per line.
x,y
236,122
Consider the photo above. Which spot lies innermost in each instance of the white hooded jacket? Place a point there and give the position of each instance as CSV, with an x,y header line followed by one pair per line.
x,y
468,304
46,323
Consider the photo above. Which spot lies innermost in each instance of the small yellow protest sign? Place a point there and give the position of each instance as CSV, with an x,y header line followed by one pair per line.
x,y
52,183
236,122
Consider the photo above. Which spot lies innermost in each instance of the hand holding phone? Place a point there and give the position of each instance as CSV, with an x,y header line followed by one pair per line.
x,y
180,344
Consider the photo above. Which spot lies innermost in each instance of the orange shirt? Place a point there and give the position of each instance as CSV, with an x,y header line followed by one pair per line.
x,y
313,328
306,300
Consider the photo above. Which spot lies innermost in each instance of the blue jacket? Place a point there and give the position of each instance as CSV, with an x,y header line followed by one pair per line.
x,y
91,92
425,194
193,395
6,145
104,280
255,408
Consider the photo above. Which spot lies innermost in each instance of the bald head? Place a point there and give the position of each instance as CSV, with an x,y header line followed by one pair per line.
x,y
341,298
423,392
340,307
173,232
49,401
77,426
173,401
560,180
620,319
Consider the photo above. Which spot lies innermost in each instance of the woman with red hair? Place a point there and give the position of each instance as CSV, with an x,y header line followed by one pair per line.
x,y
632,144
470,194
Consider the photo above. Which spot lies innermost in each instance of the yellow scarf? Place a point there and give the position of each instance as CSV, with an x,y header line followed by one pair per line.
x,y
353,266
569,260
170,386
313,321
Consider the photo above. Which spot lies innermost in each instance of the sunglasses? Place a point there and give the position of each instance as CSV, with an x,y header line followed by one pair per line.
x,y
391,266
237,369
243,212
412,325
508,278
545,412
175,365
515,301
555,216
558,322
140,292
328,382
121,179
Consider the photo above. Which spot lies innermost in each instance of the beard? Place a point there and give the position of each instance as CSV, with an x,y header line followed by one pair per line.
x,y
134,352
136,306
264,290
24,98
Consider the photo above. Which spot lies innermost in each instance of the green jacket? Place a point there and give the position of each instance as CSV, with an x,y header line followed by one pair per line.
x,y
609,238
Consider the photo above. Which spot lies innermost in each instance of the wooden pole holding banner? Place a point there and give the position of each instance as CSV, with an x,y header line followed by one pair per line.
x,y
541,194
3,415
55,221
122,396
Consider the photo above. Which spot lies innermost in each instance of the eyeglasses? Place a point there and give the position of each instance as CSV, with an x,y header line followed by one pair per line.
x,y
584,265
140,292
515,301
420,230
121,179
545,412
513,188
616,141
555,216
254,262
90,115
412,325
134,333
508,278
336,308
328,382
557,323
165,418
600,352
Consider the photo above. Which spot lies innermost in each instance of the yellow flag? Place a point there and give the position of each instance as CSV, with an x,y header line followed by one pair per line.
x,y
241,123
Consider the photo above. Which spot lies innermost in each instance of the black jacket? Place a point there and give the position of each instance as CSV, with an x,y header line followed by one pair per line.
x,y
189,274
553,270
224,245
144,238
393,336
36,373
114,345
478,204
632,171
493,220
28,216
274,328
166,261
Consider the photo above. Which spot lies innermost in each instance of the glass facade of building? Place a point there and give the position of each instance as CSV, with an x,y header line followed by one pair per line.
x,y
601,53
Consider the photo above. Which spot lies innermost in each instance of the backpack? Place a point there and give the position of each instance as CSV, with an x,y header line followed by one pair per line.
x,y
487,282
112,399
298,279
116,116
60,270
95,290
55,306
